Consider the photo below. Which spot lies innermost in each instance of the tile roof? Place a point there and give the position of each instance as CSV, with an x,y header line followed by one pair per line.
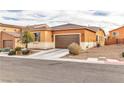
x,y
39,27
15,34
94,28
74,26
8,25
116,29
67,26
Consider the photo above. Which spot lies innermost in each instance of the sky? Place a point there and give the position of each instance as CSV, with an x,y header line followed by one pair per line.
x,y
107,20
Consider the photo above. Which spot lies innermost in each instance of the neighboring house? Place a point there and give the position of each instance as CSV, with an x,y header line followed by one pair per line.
x,y
61,36
9,35
116,36
100,35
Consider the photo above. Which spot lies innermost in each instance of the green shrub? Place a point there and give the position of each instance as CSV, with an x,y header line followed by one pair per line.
x,y
12,52
0,49
5,50
25,51
18,49
74,49
122,54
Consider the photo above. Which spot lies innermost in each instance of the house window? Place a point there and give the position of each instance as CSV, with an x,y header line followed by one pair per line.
x,y
115,34
37,36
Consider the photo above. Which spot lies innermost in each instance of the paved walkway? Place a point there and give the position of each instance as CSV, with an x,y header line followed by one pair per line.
x,y
50,54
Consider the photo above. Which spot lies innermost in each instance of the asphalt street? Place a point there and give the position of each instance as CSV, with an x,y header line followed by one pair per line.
x,y
18,70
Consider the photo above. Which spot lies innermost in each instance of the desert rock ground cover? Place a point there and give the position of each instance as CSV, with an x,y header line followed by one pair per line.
x,y
108,51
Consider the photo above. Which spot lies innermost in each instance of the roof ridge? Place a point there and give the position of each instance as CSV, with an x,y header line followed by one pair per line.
x,y
68,24
37,25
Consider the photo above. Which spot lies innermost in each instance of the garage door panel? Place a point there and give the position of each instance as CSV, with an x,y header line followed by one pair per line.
x,y
8,44
63,41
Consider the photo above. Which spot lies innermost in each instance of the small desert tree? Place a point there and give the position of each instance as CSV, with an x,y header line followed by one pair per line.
x,y
27,36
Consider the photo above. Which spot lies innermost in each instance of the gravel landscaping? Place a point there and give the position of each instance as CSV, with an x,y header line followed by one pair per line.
x,y
108,51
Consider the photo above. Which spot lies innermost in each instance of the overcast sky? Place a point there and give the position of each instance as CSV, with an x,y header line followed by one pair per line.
x,y
106,19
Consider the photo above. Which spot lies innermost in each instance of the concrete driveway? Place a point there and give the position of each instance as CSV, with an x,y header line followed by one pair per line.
x,y
50,54
29,71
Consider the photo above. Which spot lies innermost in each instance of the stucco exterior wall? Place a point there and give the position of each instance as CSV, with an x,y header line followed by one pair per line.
x,y
101,38
9,29
86,45
41,45
45,40
45,36
89,36
48,36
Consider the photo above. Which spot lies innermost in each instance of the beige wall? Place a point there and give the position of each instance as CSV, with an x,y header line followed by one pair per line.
x,y
101,35
89,36
45,40
9,29
45,36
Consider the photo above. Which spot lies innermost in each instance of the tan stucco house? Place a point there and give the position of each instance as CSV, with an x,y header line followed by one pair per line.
x,y
63,35
53,37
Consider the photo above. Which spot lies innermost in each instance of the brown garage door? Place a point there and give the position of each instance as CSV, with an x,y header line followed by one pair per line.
x,y
63,41
8,44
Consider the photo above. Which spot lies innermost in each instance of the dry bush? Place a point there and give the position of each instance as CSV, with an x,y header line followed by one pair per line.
x,y
74,49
